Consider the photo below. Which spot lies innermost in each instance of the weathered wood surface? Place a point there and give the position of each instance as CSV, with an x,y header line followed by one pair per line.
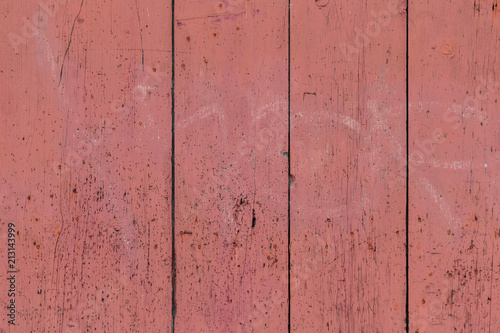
x,y
88,127
231,166
454,128
348,154
85,165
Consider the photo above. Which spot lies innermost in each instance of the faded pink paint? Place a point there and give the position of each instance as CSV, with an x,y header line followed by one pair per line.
x,y
348,156
85,172
454,166
85,166
231,166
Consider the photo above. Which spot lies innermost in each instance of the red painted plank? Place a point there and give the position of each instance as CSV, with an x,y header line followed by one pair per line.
x,y
348,157
231,166
85,172
454,166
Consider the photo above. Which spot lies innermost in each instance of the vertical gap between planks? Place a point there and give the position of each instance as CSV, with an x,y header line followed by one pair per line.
x,y
407,308
172,199
289,177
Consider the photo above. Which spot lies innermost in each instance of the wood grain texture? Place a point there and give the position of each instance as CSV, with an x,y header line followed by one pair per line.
x,y
85,172
348,155
231,166
454,166
87,132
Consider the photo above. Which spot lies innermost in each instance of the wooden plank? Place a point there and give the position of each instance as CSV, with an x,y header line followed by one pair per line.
x,y
348,156
85,172
231,166
454,166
